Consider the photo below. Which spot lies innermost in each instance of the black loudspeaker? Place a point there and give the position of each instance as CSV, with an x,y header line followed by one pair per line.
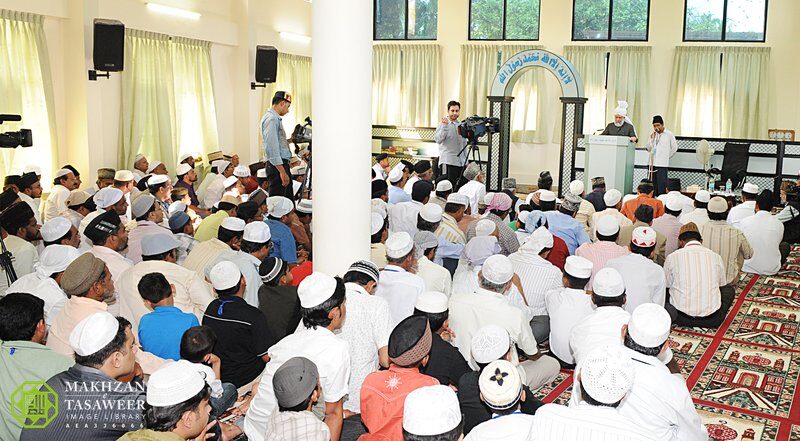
x,y
266,64
109,45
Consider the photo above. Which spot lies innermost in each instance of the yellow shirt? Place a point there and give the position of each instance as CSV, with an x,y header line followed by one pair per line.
x,y
209,226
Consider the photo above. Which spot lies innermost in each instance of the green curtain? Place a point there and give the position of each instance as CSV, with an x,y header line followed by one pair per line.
x,y
293,76
590,61
629,80
406,83
195,110
744,81
26,88
695,94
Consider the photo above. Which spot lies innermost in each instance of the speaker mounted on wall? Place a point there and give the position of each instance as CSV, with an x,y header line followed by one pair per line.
x,y
108,52
266,66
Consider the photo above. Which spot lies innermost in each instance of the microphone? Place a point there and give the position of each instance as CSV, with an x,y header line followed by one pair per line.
x,y
4,117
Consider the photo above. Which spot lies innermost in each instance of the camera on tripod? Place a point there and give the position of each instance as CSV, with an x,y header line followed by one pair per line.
x,y
21,138
302,132
475,127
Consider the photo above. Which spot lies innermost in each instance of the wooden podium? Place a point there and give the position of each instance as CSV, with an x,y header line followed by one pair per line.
x,y
611,157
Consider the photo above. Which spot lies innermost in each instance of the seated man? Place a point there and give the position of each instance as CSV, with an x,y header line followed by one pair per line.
x,y
161,330
445,364
669,225
297,390
568,307
19,230
502,392
399,285
764,232
597,195
605,248
727,241
432,412
562,223
685,203
586,210
644,279
498,208
644,218
644,197
699,216
613,202
748,206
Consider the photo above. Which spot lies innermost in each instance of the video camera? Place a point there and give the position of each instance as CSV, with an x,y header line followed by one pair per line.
x,y
21,138
793,195
475,127
302,132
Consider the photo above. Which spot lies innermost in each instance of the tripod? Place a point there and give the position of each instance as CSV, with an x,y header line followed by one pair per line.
x,y
6,265
472,144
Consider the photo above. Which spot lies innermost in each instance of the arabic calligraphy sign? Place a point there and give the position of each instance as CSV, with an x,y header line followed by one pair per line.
x,y
564,71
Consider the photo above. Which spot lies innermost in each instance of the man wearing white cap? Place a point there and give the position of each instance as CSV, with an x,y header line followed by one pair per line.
x,y
454,210
322,303
568,307
76,207
726,240
474,188
403,216
436,277
489,305
148,215
622,125
156,168
396,182
605,248
659,402
213,193
602,381
186,178
748,206
699,216
226,207
562,222
613,200
502,392
765,233
603,326
432,413
105,352
123,180
538,277
140,166
60,230
280,210
400,286
253,249
106,199
644,279
379,233
445,362
685,203
64,181
205,254
192,294
160,187
585,210
668,224
444,188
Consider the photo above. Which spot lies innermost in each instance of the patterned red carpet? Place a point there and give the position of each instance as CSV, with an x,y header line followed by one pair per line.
x,y
743,376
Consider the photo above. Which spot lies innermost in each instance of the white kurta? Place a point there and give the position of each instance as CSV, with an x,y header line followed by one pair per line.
x,y
400,289
475,191
603,327
517,426
740,212
213,193
687,203
663,145
403,217
644,279
436,277
410,184
538,278
380,173
32,203
566,307
45,288
56,203
24,258
764,232
584,423
699,216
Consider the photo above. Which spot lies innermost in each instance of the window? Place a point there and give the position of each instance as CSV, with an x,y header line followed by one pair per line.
x,y
406,19
725,20
617,20
504,20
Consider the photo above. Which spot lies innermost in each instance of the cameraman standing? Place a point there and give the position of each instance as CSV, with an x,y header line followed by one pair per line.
x,y
276,146
452,154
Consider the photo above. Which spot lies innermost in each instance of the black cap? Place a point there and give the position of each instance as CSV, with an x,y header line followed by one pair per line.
x,y
7,198
11,180
26,180
407,164
658,120
420,190
380,157
422,166
15,217
282,95
379,188
101,226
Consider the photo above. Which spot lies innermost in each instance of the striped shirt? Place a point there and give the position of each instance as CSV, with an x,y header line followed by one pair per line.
x,y
694,274
585,215
449,230
599,253
538,277
730,243
583,422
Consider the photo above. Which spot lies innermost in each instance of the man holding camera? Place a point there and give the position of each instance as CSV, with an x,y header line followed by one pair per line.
x,y
276,147
452,154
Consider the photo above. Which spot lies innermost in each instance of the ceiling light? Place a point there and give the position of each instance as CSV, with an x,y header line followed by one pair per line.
x,y
176,12
295,37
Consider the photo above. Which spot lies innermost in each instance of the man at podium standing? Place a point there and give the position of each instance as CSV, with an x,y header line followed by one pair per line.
x,y
622,125
662,145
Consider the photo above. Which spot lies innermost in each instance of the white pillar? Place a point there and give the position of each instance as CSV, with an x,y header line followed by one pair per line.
x,y
342,96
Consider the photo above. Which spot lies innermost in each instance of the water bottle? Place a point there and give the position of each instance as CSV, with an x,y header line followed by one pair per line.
x,y
728,187
711,185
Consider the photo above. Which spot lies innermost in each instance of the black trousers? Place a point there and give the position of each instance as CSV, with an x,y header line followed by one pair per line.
x,y
713,320
276,187
453,173
660,180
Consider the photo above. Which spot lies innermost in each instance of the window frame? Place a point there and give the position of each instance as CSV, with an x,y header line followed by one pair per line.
x,y
725,25
610,23
405,27
505,23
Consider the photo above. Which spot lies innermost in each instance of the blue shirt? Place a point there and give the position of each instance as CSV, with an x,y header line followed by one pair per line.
x,y
160,331
397,195
567,228
283,243
276,148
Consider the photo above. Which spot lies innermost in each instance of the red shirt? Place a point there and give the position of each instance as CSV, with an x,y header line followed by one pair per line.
x,y
629,208
300,272
558,255
382,396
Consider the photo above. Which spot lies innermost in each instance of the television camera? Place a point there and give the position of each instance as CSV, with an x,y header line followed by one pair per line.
x,y
20,138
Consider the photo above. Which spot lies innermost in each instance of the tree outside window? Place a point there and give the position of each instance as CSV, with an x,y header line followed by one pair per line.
x,y
406,19
725,20
610,20
504,20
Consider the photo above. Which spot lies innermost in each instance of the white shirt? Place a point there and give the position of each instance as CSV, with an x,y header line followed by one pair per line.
x,y
73,217
32,203
403,217
741,211
764,232
687,203
475,191
410,184
56,203
644,279
623,220
603,327
538,277
699,216
214,191
380,173
397,195
466,282
400,289
203,187
566,307
436,277
451,144
366,329
23,258
583,422
332,357
663,145
211,379
514,427
45,288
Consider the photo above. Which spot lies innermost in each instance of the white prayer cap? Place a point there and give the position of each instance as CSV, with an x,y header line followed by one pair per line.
x,y
381,207
376,223
576,187
63,172
500,385
622,108
56,258
717,205
612,197
425,240
184,157
485,227
316,289
55,229
490,343
395,175
123,175
478,249
458,198
498,269
33,168
230,181
608,283
159,243
224,275
279,206
540,239
487,198
298,170
432,302
257,232
607,373
523,216
142,204
673,203
241,171
399,245
304,206
93,333
644,237
431,213
750,188
153,166
108,196
174,383
579,267
157,179
431,411
444,185
182,169
222,165
650,325
233,224
261,173
176,206
608,225
546,196
138,157
702,196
